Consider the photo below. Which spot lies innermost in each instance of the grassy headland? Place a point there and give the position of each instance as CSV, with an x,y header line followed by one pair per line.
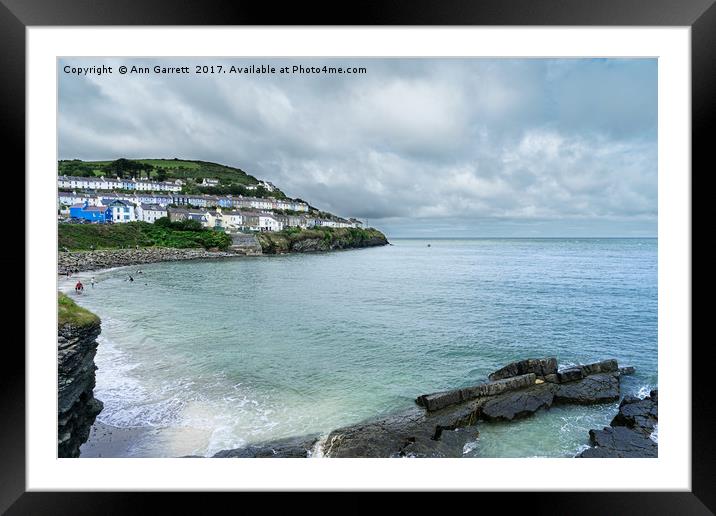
x,y
84,237
70,313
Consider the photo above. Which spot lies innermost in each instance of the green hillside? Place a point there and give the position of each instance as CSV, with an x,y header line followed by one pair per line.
x,y
84,237
232,180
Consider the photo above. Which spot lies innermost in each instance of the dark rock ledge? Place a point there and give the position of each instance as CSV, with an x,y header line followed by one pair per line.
x,y
76,404
630,432
442,423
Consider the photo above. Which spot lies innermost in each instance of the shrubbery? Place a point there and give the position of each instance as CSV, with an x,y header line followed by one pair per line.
x,y
163,233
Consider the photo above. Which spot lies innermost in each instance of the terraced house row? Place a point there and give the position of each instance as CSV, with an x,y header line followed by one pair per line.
x,y
102,183
69,198
120,211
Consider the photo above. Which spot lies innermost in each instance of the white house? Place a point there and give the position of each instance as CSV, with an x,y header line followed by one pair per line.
x,y
86,183
122,211
268,186
332,223
210,182
260,204
268,222
232,219
214,219
101,183
150,212
299,206
70,198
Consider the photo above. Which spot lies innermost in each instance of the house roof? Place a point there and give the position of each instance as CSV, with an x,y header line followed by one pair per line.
x,y
89,208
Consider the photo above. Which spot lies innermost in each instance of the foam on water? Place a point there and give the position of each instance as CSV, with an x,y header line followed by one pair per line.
x,y
644,391
317,451
654,436
469,447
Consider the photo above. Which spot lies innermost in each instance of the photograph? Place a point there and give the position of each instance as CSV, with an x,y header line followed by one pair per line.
x,y
357,257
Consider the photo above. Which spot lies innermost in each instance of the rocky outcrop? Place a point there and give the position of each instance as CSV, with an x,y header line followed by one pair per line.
x,y
320,240
77,406
540,367
440,400
77,261
596,388
585,384
518,404
292,447
442,423
632,432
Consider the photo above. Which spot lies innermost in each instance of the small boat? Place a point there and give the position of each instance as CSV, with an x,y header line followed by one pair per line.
x,y
428,245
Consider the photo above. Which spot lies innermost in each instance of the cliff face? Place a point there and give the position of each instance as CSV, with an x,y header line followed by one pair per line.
x,y
77,407
323,239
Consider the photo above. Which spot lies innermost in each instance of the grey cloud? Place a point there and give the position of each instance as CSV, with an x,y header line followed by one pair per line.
x,y
432,141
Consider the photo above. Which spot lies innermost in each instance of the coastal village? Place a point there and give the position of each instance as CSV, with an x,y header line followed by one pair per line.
x,y
100,200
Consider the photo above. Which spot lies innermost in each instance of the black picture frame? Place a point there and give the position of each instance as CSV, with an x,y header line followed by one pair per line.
x,y
700,15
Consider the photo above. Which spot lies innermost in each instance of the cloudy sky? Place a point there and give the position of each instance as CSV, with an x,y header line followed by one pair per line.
x,y
418,147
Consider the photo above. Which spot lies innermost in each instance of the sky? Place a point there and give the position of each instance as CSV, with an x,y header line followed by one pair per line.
x,y
417,147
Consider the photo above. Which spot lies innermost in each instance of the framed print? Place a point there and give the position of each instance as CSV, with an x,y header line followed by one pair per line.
x,y
454,235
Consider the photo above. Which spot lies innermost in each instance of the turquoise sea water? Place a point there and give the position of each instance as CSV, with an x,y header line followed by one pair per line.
x,y
210,355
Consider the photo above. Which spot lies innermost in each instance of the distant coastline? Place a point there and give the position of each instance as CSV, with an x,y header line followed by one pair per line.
x,y
81,260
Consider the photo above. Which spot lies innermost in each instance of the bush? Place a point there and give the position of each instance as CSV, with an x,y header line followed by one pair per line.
x,y
163,222
142,234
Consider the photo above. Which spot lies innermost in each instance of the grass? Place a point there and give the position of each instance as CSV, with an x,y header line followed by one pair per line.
x,y
84,237
70,313
170,163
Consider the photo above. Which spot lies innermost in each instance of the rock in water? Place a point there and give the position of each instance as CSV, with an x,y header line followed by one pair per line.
x,y
597,388
619,442
541,367
292,447
518,404
439,400
630,432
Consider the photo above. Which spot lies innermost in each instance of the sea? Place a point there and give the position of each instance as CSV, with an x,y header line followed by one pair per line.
x,y
202,356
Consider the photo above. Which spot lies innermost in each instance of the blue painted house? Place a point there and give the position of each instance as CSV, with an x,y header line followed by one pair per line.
x,y
226,202
96,214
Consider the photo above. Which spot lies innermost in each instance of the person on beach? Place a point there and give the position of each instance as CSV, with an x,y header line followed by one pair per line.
x,y
79,287
131,278
92,282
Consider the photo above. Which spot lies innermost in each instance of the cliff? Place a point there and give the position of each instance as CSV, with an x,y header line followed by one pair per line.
x,y
319,239
77,333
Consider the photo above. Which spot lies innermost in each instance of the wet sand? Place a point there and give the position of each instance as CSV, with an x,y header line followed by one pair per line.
x,y
110,441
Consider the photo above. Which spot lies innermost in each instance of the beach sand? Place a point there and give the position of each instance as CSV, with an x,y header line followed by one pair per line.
x,y
110,441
